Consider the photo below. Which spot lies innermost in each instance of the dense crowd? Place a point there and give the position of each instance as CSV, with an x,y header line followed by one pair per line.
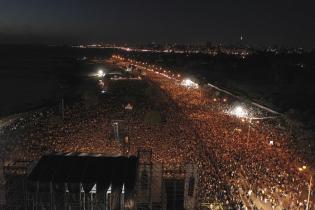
x,y
235,166
259,161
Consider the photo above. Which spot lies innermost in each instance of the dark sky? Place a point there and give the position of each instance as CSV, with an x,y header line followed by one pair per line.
x,y
281,22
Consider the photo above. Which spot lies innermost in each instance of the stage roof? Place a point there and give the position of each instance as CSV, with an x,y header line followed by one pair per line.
x,y
86,169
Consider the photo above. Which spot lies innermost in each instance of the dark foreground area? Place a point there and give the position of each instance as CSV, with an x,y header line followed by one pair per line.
x,y
39,76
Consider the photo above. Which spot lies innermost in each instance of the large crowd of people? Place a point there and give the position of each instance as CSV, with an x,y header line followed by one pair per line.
x,y
252,157
240,162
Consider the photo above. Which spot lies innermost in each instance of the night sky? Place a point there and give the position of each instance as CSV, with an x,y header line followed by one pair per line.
x,y
280,22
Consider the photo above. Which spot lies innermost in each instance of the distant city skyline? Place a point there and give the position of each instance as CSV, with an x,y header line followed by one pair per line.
x,y
283,23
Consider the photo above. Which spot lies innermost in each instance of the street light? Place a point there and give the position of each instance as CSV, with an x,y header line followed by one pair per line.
x,y
189,83
100,73
239,111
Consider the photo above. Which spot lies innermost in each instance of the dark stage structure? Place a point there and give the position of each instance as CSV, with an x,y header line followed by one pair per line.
x,y
79,181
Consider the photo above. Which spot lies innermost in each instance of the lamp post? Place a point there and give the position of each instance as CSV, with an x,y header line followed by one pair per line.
x,y
309,193
302,169
248,134
242,113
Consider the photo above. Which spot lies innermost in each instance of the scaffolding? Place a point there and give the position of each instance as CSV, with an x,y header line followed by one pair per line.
x,y
118,131
15,184
161,187
143,199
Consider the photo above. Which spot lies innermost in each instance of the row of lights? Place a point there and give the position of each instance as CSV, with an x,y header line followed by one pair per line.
x,y
238,111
